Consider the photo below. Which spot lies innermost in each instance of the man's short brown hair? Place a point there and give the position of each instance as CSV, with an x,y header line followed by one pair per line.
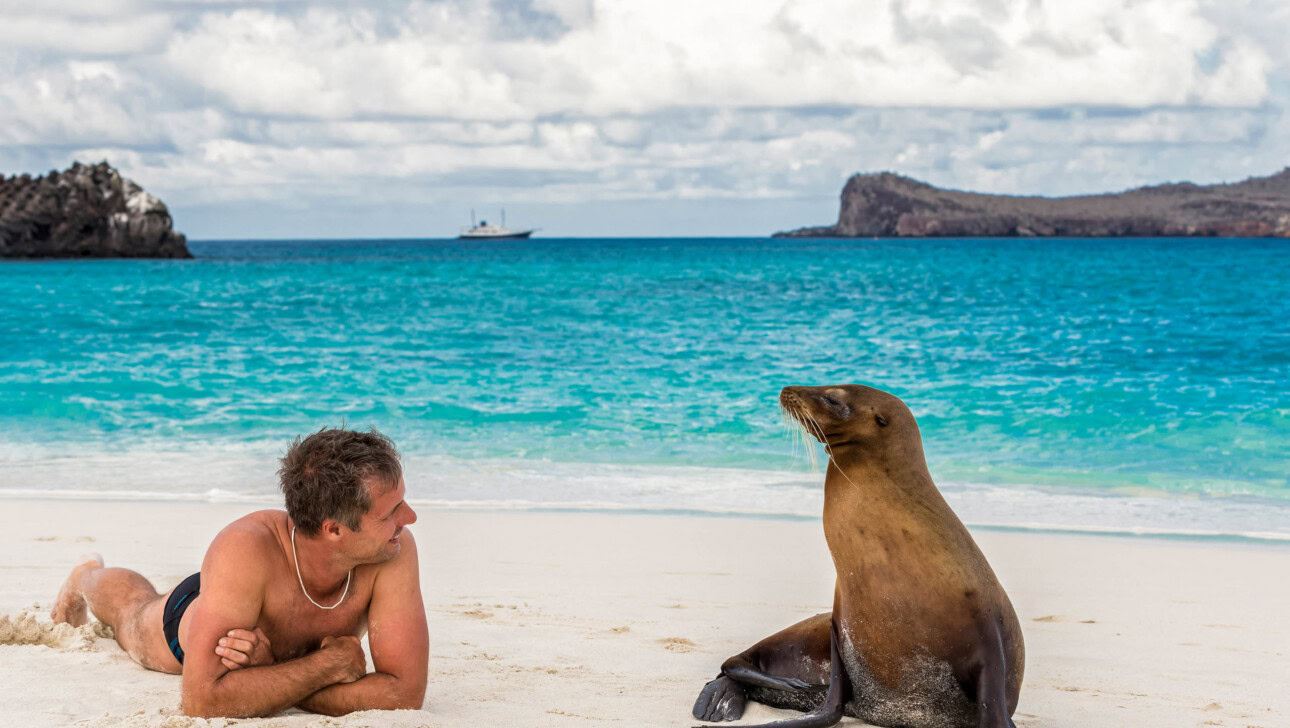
x,y
331,473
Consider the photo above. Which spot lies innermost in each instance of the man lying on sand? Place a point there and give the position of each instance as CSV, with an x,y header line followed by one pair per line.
x,y
275,615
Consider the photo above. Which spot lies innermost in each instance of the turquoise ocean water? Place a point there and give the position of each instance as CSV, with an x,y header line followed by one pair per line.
x,y
1121,385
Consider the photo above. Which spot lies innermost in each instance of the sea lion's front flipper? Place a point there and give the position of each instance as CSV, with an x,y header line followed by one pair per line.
x,y
721,699
789,669
992,678
830,712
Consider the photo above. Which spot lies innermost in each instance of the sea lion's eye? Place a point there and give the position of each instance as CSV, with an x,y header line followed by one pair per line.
x,y
882,421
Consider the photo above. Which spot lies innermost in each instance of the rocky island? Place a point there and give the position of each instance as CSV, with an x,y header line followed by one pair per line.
x,y
890,205
88,211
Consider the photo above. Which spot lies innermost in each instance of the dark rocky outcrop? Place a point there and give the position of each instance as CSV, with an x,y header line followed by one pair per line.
x,y
88,211
889,205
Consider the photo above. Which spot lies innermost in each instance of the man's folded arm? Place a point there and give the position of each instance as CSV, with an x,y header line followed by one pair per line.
x,y
399,640
374,691
232,595
260,691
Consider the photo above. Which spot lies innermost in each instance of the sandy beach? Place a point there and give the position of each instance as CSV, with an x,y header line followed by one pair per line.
x,y
583,619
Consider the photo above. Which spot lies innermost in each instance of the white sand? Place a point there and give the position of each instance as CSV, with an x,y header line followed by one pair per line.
x,y
543,619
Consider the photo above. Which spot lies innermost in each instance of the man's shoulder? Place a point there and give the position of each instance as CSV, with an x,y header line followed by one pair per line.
x,y
255,527
404,564
407,549
247,542
268,518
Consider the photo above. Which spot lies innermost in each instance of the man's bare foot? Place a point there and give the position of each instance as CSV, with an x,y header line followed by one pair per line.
x,y
69,607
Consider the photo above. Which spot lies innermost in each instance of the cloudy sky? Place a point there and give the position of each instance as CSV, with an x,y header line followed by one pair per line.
x,y
275,118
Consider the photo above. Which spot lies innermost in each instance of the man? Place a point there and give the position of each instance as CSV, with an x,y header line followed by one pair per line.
x,y
274,617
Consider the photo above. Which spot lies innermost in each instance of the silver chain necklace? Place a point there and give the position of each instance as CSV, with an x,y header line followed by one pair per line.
x,y
302,580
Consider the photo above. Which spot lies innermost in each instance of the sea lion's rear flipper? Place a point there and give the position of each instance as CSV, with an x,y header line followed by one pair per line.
x,y
992,679
831,710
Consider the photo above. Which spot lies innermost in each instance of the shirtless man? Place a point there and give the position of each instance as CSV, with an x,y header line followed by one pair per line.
x,y
274,617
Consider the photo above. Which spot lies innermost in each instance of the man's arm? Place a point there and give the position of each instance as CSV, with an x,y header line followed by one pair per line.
x,y
232,594
399,640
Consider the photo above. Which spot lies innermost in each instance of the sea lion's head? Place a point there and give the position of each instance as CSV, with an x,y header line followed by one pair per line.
x,y
847,416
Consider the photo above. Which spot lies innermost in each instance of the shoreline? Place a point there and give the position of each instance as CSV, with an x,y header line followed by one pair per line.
x,y
577,619
1272,539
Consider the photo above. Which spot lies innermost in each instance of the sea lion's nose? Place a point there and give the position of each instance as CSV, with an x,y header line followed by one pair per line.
x,y
790,394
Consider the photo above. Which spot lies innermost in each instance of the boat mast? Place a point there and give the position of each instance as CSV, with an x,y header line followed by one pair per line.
x,y
472,217
503,217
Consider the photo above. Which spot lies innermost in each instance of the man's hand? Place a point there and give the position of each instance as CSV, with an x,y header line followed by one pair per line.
x,y
240,648
347,651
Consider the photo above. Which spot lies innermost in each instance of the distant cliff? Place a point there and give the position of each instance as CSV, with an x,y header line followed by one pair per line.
x,y
889,205
89,211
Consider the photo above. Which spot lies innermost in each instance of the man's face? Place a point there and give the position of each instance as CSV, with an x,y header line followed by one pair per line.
x,y
382,525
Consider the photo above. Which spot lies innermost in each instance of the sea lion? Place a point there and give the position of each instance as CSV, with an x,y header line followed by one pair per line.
x,y
921,634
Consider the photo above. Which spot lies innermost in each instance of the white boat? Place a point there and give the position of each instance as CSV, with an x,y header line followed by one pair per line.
x,y
492,232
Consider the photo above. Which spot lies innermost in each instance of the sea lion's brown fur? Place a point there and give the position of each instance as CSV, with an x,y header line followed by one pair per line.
x,y
926,634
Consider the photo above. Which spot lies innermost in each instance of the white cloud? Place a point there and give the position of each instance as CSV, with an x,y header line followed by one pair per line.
x,y
451,60
47,30
73,102
560,100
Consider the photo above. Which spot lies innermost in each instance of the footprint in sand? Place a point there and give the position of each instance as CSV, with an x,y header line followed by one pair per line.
x,y
611,632
598,719
677,644
476,610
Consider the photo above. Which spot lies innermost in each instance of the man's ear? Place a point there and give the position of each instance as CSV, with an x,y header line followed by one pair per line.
x,y
332,528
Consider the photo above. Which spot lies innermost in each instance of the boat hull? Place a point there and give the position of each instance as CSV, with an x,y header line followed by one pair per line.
x,y
495,236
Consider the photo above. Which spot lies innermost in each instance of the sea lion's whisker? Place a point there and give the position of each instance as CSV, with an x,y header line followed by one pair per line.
x,y
790,427
808,426
793,424
825,441
818,432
